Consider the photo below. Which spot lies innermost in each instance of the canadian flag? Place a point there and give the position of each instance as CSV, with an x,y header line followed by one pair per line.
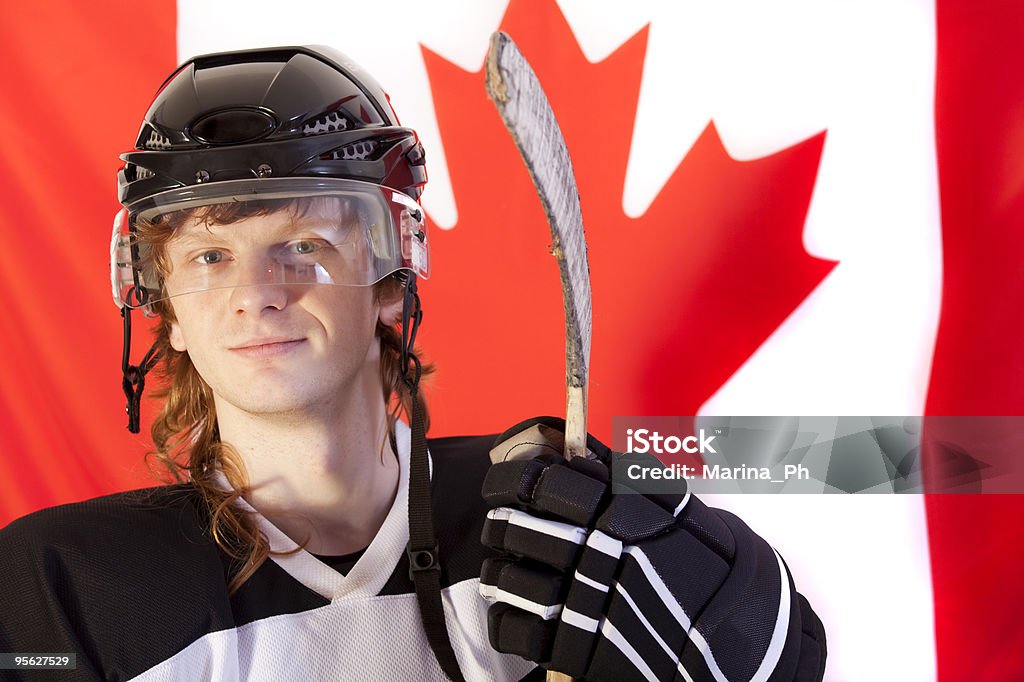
x,y
793,207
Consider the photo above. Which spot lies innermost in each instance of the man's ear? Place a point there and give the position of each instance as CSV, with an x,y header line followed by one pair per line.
x,y
177,339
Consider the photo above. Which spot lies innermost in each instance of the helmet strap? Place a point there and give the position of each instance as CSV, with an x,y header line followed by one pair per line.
x,y
133,377
422,550
412,315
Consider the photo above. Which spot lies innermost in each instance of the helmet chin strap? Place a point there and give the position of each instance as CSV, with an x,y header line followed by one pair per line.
x,y
412,315
133,377
422,551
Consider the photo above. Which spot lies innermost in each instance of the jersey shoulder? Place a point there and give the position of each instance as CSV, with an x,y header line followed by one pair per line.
x,y
140,520
132,550
78,577
459,465
466,454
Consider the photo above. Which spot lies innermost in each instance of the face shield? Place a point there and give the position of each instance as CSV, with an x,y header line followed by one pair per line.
x,y
287,231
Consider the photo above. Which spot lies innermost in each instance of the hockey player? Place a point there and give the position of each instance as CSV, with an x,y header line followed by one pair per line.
x,y
271,223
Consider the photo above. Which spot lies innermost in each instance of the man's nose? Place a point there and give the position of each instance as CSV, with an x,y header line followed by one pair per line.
x,y
259,287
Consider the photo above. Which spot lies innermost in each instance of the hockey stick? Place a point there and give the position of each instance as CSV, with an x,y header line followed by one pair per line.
x,y
523,106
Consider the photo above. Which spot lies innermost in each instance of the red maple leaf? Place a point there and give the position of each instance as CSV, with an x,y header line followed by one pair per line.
x,y
682,296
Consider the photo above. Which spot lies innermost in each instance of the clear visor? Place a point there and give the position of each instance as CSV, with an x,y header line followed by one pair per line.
x,y
296,231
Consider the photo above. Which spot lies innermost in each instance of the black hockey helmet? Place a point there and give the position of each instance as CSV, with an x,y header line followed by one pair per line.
x,y
279,112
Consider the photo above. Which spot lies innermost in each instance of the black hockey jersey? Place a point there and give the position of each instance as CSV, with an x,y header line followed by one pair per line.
x,y
134,585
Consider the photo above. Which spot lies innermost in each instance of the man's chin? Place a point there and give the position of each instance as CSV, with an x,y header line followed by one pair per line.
x,y
270,398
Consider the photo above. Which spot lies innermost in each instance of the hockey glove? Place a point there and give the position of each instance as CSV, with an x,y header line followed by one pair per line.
x,y
624,586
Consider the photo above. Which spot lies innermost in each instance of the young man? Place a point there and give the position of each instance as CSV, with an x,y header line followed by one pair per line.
x,y
271,223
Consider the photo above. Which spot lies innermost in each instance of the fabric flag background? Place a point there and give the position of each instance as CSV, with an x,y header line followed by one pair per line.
x,y
793,207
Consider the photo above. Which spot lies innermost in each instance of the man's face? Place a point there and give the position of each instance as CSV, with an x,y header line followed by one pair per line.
x,y
272,347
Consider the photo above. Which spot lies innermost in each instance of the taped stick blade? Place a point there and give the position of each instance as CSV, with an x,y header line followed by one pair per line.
x,y
516,92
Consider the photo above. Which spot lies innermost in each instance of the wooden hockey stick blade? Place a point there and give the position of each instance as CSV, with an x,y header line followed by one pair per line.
x,y
513,87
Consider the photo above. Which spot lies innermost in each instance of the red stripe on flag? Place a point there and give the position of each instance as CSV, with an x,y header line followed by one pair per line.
x,y
77,79
979,358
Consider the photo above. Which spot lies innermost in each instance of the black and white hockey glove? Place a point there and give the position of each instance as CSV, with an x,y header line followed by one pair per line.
x,y
622,586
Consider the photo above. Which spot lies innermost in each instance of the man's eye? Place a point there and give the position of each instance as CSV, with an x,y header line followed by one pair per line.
x,y
305,247
210,257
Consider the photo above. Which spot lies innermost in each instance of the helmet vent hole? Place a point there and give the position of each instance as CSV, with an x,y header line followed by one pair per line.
x,y
331,122
354,151
157,141
142,173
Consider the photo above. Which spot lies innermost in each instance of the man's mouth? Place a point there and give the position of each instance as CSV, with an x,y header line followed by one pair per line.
x,y
265,347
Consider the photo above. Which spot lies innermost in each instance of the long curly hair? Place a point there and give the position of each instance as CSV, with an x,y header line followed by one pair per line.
x,y
186,439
